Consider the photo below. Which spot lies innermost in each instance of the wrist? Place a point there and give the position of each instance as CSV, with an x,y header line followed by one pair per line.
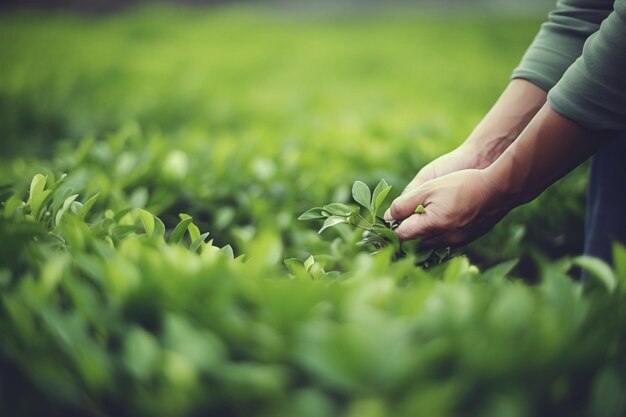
x,y
506,187
506,120
485,150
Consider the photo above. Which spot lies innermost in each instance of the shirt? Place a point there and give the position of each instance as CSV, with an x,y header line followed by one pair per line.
x,y
579,57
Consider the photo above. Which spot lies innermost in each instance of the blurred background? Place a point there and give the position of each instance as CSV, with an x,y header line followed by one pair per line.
x,y
243,115
529,6
246,114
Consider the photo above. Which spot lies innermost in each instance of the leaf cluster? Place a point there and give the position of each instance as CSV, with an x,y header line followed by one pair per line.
x,y
377,232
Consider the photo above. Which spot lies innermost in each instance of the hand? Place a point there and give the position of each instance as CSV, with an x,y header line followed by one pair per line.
x,y
465,156
509,116
460,207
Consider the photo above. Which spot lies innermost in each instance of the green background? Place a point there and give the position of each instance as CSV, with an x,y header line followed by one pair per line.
x,y
243,118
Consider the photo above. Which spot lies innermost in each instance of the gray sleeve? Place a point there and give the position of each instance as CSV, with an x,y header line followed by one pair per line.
x,y
560,40
592,92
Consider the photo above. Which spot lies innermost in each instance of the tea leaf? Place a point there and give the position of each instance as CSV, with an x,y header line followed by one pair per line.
x,y
332,221
194,232
338,209
66,205
361,194
228,251
294,265
82,213
598,269
179,231
37,195
379,195
159,228
197,242
312,214
147,220
309,263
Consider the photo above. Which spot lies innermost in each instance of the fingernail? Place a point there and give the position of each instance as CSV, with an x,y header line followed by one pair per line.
x,y
387,215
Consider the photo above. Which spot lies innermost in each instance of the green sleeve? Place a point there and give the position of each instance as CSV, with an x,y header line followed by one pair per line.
x,y
560,40
592,92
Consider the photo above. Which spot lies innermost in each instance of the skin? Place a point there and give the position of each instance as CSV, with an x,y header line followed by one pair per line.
x,y
466,195
508,117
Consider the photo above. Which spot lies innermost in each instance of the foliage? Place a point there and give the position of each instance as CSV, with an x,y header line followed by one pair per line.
x,y
377,232
115,301
104,312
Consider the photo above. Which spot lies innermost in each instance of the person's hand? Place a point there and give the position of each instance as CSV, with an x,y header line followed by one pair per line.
x,y
465,156
459,207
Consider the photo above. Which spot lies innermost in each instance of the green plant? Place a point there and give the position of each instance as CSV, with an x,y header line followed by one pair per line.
x,y
114,303
377,232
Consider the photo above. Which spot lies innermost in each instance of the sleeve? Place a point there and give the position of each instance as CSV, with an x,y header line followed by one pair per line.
x,y
592,92
560,40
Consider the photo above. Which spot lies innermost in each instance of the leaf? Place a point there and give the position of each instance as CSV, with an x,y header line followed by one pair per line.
x,y
59,198
194,232
361,194
338,209
421,256
598,269
147,220
75,207
420,209
332,221
123,230
294,265
37,194
619,260
197,242
179,231
11,206
120,214
82,213
389,235
159,228
312,214
228,251
456,269
36,186
309,263
499,271
66,205
379,195
332,275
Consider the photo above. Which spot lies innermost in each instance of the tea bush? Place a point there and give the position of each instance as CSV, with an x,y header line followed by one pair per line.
x,y
127,139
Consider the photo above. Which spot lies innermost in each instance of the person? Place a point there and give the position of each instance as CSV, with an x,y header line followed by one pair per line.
x,y
566,101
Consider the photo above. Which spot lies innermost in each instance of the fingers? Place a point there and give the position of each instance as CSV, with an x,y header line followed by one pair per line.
x,y
415,226
404,206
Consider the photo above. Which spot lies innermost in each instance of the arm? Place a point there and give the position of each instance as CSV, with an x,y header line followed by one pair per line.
x,y
557,45
584,108
517,105
463,205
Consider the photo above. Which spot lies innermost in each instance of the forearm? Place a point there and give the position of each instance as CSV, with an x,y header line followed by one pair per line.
x,y
549,147
509,116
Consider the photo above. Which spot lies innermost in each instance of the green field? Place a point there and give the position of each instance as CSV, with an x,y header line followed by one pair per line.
x,y
242,119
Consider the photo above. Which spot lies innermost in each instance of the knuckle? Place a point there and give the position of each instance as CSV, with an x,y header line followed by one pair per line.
x,y
404,234
396,210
